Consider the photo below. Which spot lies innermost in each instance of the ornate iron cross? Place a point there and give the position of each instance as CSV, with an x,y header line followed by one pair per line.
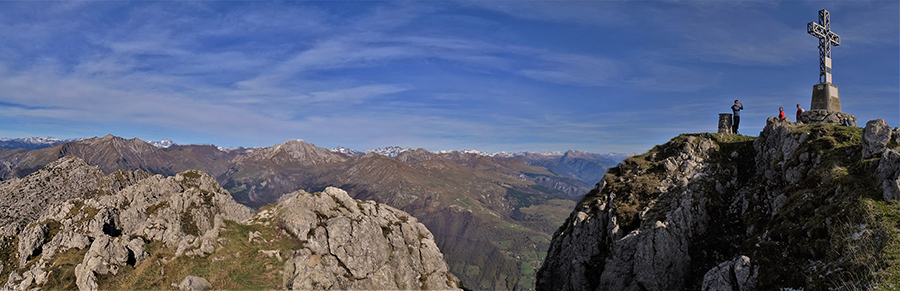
x,y
827,38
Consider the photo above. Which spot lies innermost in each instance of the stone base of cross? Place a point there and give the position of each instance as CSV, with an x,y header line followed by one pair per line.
x,y
825,97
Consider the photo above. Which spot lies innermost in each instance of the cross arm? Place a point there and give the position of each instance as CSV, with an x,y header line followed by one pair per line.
x,y
834,38
816,30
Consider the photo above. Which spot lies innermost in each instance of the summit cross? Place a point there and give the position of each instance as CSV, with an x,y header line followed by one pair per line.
x,y
827,38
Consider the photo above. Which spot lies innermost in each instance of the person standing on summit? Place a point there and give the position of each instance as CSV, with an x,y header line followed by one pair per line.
x,y
737,107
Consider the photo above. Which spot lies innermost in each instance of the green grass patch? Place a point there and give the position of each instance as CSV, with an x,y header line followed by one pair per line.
x,y
237,263
62,271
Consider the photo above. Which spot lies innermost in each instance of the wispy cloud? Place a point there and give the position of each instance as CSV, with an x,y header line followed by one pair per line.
x,y
352,95
582,12
574,69
441,75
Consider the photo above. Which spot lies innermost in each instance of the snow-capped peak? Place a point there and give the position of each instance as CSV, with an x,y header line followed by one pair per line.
x,y
163,143
346,151
391,151
33,143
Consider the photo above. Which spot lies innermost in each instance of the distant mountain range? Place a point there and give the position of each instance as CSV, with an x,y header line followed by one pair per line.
x,y
36,143
32,143
491,214
587,167
391,151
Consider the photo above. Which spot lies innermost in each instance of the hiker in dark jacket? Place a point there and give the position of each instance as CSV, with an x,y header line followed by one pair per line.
x,y
737,107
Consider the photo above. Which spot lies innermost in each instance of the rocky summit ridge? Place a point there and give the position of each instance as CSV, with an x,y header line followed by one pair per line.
x,y
74,227
800,207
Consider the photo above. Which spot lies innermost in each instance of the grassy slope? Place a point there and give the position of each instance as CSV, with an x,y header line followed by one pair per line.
x,y
237,263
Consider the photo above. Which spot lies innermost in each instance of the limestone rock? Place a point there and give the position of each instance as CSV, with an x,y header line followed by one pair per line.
x,y
346,244
876,135
595,250
194,283
665,220
895,135
827,117
877,140
887,175
738,275
359,245
30,241
114,221
28,198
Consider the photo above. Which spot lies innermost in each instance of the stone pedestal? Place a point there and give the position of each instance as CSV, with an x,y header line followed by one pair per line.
x,y
825,97
827,117
725,123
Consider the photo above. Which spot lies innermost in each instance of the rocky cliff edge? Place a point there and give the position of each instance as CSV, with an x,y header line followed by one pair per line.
x,y
810,207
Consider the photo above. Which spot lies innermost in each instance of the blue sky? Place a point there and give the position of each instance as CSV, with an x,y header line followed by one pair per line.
x,y
597,76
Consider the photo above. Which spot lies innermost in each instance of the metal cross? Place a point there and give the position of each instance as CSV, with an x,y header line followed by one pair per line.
x,y
827,38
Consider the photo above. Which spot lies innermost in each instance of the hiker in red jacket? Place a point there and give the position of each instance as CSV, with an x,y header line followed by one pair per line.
x,y
781,113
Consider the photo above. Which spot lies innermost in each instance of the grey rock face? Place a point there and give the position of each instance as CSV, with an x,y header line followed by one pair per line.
x,y
876,135
64,179
827,117
352,244
346,244
738,275
185,211
592,251
887,175
105,256
880,141
772,198
30,241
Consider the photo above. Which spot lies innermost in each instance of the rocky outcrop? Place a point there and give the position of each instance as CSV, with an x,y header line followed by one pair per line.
x,y
184,211
827,117
352,244
355,244
876,136
786,209
737,275
622,240
26,199
105,256
880,141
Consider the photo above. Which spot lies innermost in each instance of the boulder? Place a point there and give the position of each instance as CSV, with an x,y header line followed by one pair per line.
x,y
887,175
30,241
194,283
827,117
738,275
352,244
875,138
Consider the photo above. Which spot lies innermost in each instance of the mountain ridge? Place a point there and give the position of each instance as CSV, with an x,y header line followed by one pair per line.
x,y
147,231
800,207
468,198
